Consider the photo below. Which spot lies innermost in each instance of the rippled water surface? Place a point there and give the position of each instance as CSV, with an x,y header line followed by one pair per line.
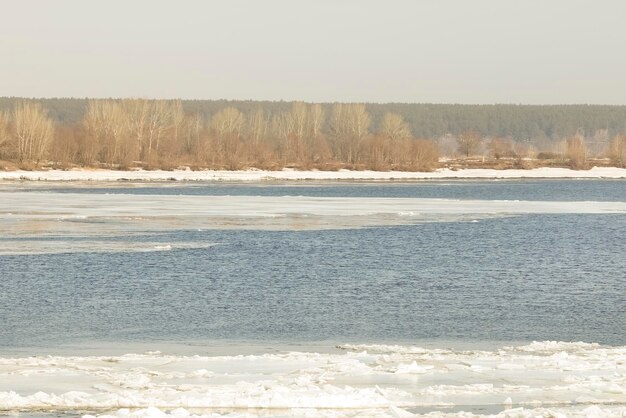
x,y
313,299
535,276
558,190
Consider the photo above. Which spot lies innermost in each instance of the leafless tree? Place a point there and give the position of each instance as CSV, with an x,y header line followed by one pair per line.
x,y
468,143
316,120
34,131
299,118
349,126
108,128
228,122
177,115
394,127
160,119
227,126
137,111
598,143
617,150
192,128
5,134
257,126
282,127
577,152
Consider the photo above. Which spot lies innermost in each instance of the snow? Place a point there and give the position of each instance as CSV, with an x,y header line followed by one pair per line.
x,y
287,174
548,379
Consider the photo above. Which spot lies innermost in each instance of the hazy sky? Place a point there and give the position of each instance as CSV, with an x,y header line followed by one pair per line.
x,y
461,51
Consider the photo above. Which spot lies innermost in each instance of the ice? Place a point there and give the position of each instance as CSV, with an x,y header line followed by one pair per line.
x,y
34,212
63,245
261,175
163,247
537,379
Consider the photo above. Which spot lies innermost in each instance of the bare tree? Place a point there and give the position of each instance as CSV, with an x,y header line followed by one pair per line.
x,y
349,125
136,111
394,127
468,143
227,125
577,152
282,127
358,120
299,118
108,128
228,122
5,134
316,148
34,131
178,119
161,114
257,126
192,128
598,143
96,124
617,151
315,120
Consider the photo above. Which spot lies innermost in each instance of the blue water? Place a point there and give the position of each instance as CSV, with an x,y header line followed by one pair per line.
x,y
534,190
530,277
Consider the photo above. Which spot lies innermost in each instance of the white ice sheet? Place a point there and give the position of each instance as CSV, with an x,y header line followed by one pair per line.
x,y
365,380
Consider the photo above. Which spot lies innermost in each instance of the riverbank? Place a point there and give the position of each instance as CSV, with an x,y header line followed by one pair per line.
x,y
261,175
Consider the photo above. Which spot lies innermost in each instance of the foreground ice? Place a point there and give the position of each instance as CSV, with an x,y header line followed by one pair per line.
x,y
540,379
259,175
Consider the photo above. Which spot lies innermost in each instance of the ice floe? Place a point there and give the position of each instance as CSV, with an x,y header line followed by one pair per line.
x,y
539,379
52,211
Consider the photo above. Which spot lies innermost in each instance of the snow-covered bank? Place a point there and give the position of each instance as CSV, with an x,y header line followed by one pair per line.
x,y
540,379
260,175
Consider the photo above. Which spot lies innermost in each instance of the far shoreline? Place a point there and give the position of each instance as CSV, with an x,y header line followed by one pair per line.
x,y
256,175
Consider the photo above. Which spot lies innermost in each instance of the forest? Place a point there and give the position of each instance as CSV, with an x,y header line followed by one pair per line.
x,y
167,134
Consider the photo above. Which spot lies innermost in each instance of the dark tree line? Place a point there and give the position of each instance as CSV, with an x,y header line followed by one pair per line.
x,y
518,122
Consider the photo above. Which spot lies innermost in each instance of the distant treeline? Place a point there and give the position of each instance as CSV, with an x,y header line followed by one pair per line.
x,y
518,122
123,133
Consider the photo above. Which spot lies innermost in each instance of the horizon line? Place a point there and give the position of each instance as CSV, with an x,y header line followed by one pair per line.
x,y
308,101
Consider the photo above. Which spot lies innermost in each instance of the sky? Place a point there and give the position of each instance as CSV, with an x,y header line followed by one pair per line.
x,y
434,51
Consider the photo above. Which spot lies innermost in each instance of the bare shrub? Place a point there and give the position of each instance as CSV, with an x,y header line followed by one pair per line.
x,y
546,155
501,148
577,153
424,155
376,153
617,151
